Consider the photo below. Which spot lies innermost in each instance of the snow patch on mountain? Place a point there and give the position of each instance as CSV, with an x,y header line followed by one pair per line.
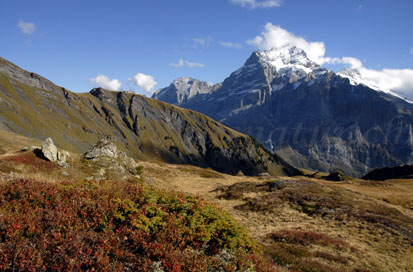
x,y
288,61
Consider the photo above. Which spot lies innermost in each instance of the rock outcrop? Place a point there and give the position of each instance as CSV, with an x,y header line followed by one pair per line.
x,y
102,148
106,151
335,176
48,151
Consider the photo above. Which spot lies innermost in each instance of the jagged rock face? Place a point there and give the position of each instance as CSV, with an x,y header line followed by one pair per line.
x,y
312,117
183,89
141,127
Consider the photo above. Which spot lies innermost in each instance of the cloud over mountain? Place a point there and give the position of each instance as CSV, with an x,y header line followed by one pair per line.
x,y
106,83
145,82
400,80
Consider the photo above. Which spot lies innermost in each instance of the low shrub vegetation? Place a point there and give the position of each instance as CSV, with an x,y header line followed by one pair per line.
x,y
306,238
29,160
117,226
315,200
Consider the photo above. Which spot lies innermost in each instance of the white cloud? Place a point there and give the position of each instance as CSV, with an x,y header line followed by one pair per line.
x,y
353,63
26,27
145,82
230,45
399,80
182,63
203,41
257,4
275,37
106,83
193,64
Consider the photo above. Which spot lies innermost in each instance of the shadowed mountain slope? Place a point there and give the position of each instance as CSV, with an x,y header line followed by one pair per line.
x,y
397,172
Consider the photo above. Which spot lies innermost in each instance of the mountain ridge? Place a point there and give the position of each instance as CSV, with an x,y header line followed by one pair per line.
x,y
145,128
313,117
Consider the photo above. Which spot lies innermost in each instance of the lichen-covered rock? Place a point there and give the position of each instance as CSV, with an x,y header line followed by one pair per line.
x,y
102,148
128,163
107,153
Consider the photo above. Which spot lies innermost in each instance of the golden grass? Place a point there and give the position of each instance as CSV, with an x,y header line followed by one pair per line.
x,y
377,249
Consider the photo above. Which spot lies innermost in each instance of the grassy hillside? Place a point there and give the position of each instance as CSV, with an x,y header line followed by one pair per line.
x,y
145,128
164,218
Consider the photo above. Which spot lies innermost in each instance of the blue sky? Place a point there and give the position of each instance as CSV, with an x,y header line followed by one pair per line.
x,y
131,43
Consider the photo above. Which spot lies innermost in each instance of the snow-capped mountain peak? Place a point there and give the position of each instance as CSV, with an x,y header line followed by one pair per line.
x,y
287,57
288,62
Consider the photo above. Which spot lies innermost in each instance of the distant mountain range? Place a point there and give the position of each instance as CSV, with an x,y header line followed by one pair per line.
x,y
311,116
145,128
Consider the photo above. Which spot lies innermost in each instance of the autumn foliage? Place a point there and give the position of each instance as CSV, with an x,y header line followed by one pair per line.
x,y
116,226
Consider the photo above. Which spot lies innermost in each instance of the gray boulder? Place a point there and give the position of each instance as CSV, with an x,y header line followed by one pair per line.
x,y
102,148
107,152
49,150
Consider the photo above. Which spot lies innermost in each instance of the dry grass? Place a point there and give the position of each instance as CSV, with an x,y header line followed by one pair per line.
x,y
374,228
396,192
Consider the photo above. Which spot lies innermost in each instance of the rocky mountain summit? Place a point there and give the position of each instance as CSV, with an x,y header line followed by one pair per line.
x,y
143,128
184,88
311,116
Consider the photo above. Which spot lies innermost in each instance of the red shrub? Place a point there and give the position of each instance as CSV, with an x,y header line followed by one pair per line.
x,y
115,227
30,159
